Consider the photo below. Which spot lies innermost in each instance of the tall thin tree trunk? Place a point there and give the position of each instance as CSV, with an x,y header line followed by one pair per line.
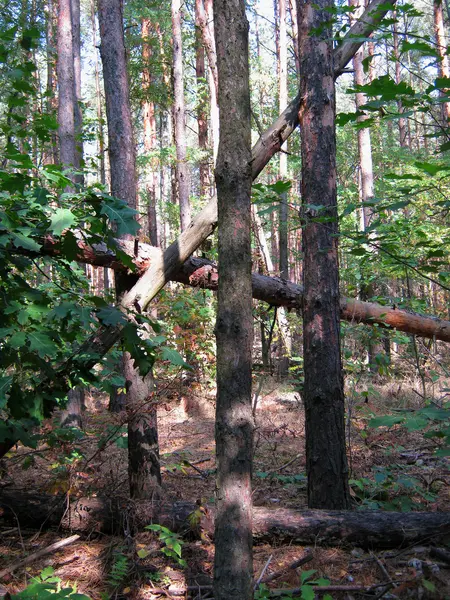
x,y
294,21
402,131
285,341
326,460
98,100
441,43
78,115
202,120
283,168
182,169
51,103
66,85
149,119
143,456
233,563
366,187
205,19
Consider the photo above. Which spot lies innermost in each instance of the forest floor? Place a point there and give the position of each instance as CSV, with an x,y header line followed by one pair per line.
x,y
390,469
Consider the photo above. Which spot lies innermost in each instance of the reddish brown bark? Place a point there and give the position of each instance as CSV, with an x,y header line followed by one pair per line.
x,y
323,393
78,115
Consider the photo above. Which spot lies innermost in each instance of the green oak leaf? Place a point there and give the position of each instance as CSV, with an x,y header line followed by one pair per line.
x,y
61,219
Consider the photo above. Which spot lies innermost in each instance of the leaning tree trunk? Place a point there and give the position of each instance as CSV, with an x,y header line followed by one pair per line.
x,y
143,455
233,563
326,460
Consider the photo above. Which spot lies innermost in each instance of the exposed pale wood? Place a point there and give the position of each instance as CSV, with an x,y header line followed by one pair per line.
x,y
273,290
369,529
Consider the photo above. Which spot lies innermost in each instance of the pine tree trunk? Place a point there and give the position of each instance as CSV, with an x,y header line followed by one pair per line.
x,y
51,103
210,45
66,85
202,121
366,187
98,100
233,571
149,122
285,345
78,115
326,460
72,414
182,168
403,134
443,66
143,465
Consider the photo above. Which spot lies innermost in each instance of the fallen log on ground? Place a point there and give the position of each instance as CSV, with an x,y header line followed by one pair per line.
x,y
369,529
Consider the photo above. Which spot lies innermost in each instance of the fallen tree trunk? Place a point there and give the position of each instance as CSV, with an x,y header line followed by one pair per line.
x,y
199,272
370,529
279,292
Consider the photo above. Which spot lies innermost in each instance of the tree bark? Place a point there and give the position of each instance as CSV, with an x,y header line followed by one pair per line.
x,y
182,168
72,414
402,132
283,167
78,115
202,121
443,66
205,19
66,85
366,181
323,392
143,458
149,122
233,563
369,529
98,99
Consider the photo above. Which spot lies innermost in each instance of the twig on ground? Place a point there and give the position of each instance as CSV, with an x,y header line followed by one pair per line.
x,y
285,465
266,566
294,565
32,557
382,568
